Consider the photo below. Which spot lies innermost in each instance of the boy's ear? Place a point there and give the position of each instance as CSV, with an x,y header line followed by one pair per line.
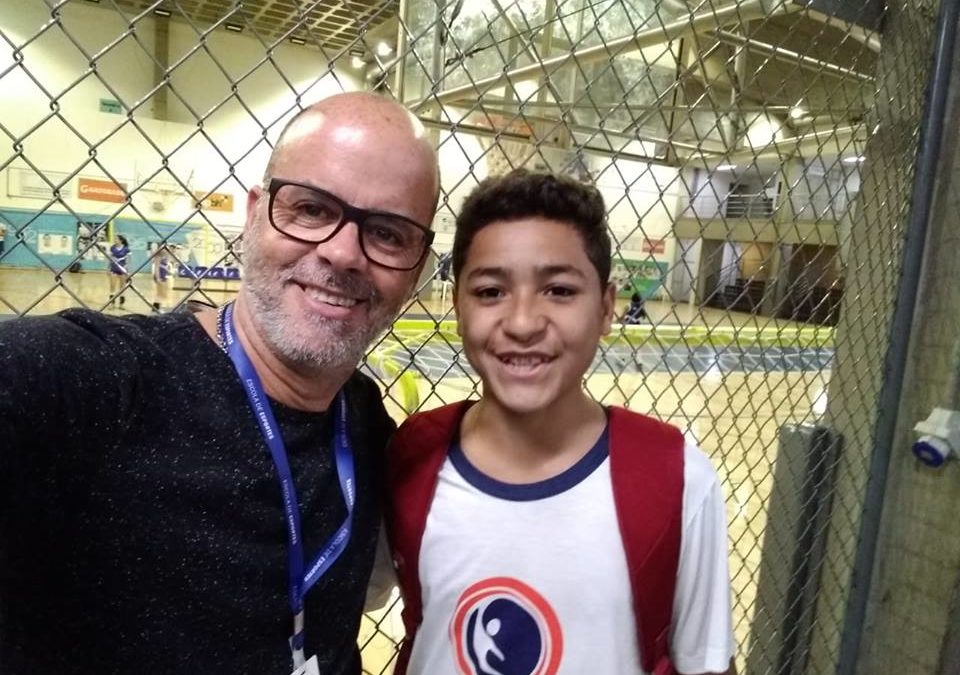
x,y
456,307
608,302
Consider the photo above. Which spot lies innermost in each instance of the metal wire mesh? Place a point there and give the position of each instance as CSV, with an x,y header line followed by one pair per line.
x,y
755,157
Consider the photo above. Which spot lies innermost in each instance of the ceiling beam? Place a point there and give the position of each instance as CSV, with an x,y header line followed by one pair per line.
x,y
736,13
812,143
864,36
787,56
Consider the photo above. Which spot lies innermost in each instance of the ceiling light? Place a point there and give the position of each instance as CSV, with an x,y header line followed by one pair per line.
x,y
726,167
796,112
233,27
298,40
854,160
160,11
357,62
384,48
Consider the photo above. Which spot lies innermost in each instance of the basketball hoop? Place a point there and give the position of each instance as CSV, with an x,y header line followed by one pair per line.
x,y
161,196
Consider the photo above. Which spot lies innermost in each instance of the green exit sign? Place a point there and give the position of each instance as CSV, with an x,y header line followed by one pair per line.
x,y
108,105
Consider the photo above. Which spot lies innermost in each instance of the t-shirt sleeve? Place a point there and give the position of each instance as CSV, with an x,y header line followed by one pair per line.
x,y
702,635
63,382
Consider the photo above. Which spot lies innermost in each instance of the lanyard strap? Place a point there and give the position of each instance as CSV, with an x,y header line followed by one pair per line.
x,y
300,582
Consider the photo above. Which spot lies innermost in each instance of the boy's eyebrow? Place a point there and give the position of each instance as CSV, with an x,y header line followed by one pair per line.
x,y
541,271
546,271
498,272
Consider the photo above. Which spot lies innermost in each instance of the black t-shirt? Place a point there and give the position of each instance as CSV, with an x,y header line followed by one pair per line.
x,y
141,526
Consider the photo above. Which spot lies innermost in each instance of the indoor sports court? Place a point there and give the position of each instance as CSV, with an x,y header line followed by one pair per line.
x,y
759,163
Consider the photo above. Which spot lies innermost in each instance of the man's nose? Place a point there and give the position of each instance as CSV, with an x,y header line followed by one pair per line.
x,y
343,251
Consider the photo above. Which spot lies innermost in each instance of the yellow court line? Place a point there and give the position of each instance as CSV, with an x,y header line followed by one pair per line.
x,y
416,331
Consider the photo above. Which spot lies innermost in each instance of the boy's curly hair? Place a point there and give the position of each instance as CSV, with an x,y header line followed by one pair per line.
x,y
524,194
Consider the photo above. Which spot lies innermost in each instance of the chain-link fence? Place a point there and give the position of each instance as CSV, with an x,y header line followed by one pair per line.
x,y
755,157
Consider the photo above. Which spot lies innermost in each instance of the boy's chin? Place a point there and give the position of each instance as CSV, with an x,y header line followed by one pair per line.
x,y
524,403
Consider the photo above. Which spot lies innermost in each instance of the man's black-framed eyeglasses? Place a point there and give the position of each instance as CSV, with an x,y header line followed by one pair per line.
x,y
313,216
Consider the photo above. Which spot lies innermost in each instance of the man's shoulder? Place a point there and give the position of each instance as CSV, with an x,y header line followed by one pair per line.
x,y
362,391
64,331
85,326
365,402
88,339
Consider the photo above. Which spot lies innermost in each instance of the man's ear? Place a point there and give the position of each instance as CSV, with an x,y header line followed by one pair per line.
x,y
253,199
608,301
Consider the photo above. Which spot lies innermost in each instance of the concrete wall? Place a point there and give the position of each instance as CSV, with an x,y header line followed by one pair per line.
x,y
874,250
912,615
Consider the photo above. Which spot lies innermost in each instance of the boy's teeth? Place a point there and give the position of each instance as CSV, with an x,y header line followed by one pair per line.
x,y
323,296
525,360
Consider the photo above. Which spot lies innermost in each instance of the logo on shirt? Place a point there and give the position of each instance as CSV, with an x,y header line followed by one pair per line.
x,y
501,626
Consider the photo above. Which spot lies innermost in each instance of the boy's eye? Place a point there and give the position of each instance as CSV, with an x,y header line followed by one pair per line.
x,y
562,291
488,292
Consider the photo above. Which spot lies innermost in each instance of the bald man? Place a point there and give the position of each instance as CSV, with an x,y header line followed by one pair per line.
x,y
202,493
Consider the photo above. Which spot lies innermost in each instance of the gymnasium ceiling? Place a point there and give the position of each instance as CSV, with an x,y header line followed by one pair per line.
x,y
336,25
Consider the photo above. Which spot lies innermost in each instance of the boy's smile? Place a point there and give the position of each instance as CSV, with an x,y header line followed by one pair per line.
x,y
531,310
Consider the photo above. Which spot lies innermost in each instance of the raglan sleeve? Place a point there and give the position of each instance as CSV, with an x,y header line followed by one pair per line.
x,y
702,634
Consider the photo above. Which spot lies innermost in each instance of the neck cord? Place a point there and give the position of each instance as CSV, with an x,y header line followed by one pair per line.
x,y
221,342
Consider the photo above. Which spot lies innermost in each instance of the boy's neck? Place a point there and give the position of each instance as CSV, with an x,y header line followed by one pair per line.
x,y
525,448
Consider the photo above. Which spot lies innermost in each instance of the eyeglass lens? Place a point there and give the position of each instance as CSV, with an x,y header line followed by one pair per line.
x,y
314,216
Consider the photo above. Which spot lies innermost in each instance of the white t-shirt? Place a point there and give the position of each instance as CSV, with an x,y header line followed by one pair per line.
x,y
532,579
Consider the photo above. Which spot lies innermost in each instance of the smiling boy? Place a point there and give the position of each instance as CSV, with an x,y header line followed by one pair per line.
x,y
535,531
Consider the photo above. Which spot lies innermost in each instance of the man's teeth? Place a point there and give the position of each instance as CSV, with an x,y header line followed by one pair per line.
x,y
329,298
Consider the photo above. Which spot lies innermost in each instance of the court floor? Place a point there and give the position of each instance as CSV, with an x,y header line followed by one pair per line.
x,y
731,398
42,291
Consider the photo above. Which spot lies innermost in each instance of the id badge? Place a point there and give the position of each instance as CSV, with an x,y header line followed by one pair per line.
x,y
308,668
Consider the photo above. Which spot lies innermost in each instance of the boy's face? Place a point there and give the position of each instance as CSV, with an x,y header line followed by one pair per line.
x,y
530,311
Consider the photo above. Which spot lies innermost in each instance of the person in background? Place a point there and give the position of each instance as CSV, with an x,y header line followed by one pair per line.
x,y
161,279
118,268
202,493
635,311
535,528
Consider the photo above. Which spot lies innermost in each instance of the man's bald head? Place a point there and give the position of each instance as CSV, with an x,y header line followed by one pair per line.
x,y
358,114
369,153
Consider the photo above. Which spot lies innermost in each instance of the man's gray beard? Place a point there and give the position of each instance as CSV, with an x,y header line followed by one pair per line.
x,y
342,350
345,346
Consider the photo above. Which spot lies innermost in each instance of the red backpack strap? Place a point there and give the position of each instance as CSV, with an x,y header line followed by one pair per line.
x,y
414,458
646,465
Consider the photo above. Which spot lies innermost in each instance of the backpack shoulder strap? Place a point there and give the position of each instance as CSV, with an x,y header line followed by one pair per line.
x,y
414,459
646,465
